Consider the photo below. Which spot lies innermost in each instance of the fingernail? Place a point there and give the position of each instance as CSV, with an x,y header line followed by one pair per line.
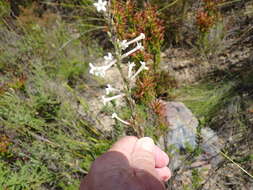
x,y
146,143
166,178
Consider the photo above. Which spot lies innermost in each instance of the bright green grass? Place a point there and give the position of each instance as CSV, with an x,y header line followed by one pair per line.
x,y
206,98
51,145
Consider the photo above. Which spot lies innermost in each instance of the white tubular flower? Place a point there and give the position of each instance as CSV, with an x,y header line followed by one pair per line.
x,y
137,39
100,5
138,47
108,58
92,68
142,67
108,99
110,89
97,71
115,116
124,44
100,71
130,69
111,64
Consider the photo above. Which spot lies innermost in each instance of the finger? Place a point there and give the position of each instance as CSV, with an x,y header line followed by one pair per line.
x,y
143,157
161,158
163,173
125,146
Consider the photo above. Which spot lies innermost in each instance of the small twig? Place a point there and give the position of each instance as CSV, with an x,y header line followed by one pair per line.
x,y
167,6
231,160
227,3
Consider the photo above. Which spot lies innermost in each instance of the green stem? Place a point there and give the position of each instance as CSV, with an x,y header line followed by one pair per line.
x,y
167,6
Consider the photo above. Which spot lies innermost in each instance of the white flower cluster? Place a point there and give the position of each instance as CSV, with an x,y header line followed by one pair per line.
x,y
109,61
100,71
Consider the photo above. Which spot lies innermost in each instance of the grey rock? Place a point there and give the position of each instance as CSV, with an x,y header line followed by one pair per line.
x,y
182,134
182,125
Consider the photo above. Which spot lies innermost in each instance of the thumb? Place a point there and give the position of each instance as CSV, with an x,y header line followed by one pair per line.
x,y
143,157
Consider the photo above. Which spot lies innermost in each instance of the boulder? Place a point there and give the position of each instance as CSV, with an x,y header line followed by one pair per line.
x,y
182,136
182,126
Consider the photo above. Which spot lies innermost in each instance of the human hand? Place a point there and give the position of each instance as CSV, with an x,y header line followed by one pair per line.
x,y
131,164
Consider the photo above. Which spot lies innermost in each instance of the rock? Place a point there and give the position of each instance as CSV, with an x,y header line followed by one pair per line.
x,y
182,135
182,125
187,68
182,65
